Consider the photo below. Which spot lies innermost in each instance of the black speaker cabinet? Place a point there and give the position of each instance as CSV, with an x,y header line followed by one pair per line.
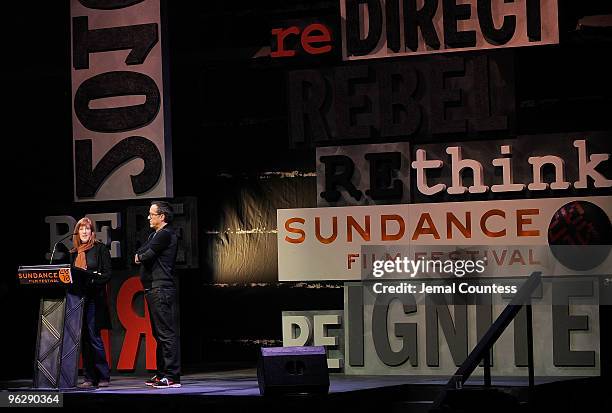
x,y
292,370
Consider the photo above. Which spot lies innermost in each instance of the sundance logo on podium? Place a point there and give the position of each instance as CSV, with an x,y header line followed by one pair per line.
x,y
44,275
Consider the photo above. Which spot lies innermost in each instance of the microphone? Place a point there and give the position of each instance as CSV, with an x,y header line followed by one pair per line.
x,y
57,243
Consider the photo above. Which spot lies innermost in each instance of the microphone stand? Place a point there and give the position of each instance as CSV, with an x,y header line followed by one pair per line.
x,y
56,244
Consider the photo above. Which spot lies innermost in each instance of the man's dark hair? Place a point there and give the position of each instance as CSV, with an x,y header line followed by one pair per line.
x,y
165,208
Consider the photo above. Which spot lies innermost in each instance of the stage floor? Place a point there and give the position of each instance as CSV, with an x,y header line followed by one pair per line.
x,y
243,382
237,390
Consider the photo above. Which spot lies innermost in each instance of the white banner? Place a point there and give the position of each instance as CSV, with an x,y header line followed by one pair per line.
x,y
376,28
326,243
443,336
122,144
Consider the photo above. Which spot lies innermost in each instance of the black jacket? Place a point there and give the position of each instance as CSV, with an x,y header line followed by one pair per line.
x,y
92,285
157,257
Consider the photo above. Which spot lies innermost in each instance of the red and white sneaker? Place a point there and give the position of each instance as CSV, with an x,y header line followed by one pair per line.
x,y
166,383
153,381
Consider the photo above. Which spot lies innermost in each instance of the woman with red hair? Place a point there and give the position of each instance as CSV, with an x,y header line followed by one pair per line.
x,y
92,264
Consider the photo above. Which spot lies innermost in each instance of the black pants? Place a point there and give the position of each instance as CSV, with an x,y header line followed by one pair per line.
x,y
94,357
163,310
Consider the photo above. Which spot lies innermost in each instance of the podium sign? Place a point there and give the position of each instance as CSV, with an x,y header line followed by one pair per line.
x,y
47,275
58,338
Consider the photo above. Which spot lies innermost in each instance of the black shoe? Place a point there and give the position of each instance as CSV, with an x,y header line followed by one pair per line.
x,y
166,383
153,381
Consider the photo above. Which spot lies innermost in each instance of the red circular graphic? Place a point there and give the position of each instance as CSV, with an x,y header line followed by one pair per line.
x,y
575,225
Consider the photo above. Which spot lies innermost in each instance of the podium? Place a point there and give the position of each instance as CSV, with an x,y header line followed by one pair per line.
x,y
60,318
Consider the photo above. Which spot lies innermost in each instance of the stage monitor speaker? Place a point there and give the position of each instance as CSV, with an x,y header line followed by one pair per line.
x,y
292,370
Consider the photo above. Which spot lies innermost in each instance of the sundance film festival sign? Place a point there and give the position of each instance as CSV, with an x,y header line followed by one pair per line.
x,y
389,28
334,243
120,116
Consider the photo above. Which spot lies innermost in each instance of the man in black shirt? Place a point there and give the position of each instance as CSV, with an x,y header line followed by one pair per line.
x,y
157,258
